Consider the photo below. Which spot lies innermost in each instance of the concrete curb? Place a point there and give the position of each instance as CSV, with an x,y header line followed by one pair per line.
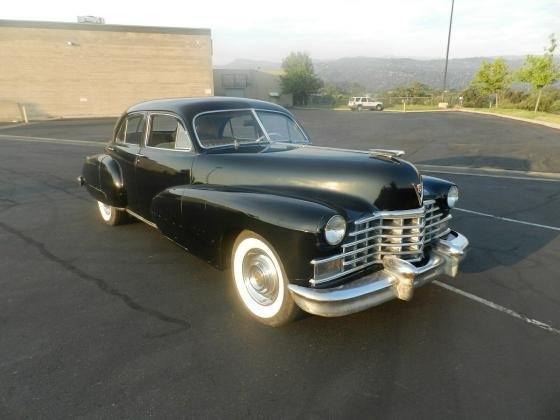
x,y
15,125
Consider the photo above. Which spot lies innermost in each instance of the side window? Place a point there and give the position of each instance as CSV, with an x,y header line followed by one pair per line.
x,y
167,132
134,129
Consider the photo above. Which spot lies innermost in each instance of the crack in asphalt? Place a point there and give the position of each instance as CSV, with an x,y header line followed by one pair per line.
x,y
102,285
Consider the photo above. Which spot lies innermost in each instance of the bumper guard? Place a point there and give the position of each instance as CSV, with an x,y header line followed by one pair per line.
x,y
397,279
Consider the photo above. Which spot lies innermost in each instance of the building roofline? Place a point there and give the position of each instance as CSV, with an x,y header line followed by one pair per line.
x,y
103,27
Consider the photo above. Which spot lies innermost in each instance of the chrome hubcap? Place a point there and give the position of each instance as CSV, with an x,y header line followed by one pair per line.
x,y
260,277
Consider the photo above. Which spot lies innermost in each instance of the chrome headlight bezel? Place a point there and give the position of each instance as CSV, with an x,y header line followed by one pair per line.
x,y
452,196
335,230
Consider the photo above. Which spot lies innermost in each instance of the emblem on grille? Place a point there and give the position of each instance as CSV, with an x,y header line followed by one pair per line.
x,y
419,189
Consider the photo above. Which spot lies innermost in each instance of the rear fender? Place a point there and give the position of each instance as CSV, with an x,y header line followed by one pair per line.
x,y
104,181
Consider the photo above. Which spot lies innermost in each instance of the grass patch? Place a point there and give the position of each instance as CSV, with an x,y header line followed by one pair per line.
x,y
522,113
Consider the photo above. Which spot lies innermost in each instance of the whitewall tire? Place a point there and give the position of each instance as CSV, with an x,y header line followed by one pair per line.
x,y
111,215
260,280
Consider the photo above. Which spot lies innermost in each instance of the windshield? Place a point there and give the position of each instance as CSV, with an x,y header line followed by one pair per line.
x,y
237,127
280,127
225,128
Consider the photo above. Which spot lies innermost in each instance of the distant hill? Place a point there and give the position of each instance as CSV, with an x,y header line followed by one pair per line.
x,y
381,74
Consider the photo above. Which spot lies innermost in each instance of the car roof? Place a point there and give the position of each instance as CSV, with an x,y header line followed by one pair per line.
x,y
189,107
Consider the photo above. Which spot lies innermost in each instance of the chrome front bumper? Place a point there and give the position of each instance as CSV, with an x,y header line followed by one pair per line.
x,y
397,279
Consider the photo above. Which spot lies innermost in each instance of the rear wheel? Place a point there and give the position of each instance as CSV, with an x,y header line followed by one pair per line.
x,y
260,280
359,107
111,215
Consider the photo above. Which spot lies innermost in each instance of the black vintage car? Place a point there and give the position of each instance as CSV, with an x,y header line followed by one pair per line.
x,y
238,183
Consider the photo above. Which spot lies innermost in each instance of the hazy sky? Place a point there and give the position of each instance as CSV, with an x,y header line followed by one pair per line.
x,y
269,30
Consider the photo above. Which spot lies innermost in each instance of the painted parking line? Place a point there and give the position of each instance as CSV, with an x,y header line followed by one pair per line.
x,y
51,140
507,219
499,308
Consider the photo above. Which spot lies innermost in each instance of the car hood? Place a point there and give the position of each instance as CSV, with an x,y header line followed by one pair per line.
x,y
350,180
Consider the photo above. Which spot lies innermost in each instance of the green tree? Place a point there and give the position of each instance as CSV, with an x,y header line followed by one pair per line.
x,y
418,89
492,77
299,77
540,70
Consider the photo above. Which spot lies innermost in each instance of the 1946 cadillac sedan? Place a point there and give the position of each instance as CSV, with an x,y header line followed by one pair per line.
x,y
238,183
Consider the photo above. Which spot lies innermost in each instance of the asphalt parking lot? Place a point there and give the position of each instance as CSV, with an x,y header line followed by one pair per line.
x,y
98,321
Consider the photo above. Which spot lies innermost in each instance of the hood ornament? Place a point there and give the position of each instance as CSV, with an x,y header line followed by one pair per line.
x,y
387,153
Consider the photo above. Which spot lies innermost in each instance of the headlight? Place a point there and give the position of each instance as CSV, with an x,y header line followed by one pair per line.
x,y
452,196
335,230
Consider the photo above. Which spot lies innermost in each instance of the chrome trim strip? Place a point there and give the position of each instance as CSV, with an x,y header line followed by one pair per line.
x,y
314,282
391,154
398,214
342,255
142,219
383,236
261,125
423,225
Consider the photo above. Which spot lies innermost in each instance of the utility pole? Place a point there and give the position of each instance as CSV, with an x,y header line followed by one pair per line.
x,y
447,53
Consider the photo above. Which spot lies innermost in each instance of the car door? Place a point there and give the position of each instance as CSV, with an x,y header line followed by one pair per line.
x,y
126,150
165,160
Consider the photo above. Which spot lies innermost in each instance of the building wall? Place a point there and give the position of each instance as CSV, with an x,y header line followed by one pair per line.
x,y
254,84
77,71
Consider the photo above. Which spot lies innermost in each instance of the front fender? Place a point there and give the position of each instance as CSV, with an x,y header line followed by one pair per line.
x,y
436,189
205,219
104,180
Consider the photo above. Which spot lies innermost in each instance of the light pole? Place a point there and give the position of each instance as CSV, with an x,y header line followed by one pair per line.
x,y
447,53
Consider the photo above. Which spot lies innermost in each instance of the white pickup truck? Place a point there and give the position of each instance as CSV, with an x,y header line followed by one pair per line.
x,y
359,103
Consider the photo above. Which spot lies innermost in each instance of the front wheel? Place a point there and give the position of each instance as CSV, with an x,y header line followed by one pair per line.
x,y
379,107
260,280
111,215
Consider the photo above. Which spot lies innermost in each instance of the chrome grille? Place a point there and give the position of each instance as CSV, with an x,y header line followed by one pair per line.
x,y
400,233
